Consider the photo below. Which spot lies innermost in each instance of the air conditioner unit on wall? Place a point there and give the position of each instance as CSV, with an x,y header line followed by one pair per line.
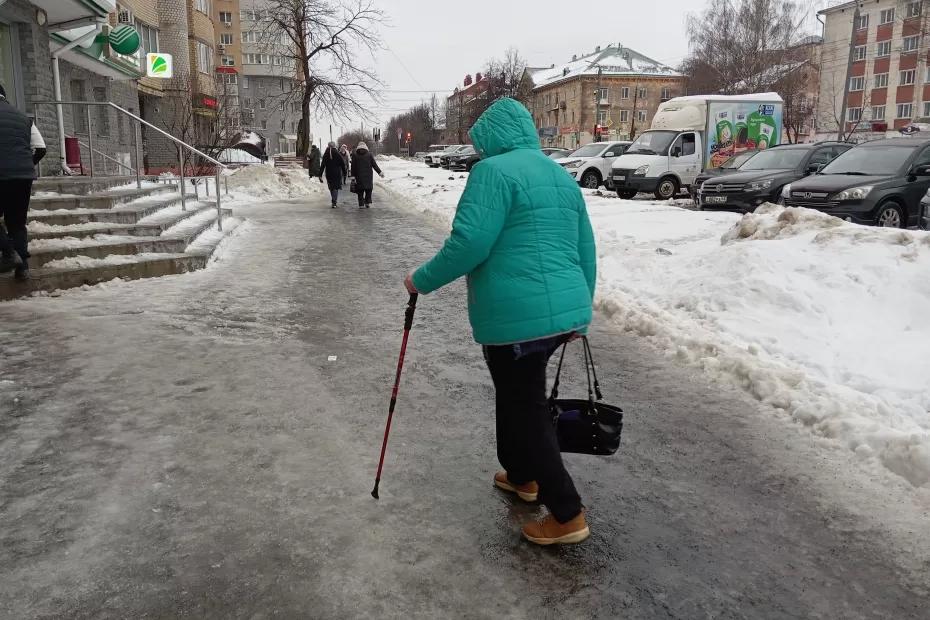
x,y
124,16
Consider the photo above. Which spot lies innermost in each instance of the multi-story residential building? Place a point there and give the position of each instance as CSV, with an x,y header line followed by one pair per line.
x,y
269,88
228,64
464,106
875,75
611,93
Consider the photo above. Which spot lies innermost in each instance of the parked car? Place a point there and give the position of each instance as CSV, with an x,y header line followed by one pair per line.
x,y
449,161
444,160
728,167
557,153
421,155
432,160
881,182
464,162
762,178
590,165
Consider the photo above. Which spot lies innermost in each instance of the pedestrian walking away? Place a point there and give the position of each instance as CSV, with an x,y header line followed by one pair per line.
x,y
364,167
313,161
333,166
21,148
346,157
522,236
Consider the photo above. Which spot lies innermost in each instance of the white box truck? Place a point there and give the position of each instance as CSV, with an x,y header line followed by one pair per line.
x,y
691,134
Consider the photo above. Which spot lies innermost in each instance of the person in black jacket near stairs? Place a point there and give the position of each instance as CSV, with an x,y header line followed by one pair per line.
x,y
364,167
17,172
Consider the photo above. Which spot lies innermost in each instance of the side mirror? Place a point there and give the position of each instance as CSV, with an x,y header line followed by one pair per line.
x,y
609,154
676,151
815,168
922,170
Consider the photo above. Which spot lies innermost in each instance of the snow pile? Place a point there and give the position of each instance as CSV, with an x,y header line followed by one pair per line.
x,y
824,320
267,182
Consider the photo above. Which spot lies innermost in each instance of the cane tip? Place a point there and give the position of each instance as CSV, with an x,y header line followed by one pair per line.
x,y
374,492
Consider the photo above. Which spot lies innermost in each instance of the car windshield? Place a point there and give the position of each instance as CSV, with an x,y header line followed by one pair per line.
x,y
738,160
652,143
878,160
775,159
590,150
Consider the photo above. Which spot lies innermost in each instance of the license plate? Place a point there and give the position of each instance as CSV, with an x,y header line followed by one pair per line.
x,y
619,178
715,199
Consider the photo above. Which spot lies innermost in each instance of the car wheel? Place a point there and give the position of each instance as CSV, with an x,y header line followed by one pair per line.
x,y
667,188
890,215
626,193
591,180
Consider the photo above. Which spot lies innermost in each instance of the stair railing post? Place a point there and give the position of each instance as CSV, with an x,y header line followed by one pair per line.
x,y
90,140
136,144
181,158
219,208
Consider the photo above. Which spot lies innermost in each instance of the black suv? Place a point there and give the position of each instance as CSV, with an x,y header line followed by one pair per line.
x,y
879,182
761,179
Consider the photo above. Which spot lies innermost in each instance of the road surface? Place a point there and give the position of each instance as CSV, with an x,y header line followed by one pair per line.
x,y
184,447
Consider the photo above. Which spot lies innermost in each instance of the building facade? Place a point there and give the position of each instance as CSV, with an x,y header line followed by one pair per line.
x,y
875,74
269,91
464,106
609,94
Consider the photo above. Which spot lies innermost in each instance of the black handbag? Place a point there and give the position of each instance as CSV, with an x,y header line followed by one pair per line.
x,y
585,426
353,185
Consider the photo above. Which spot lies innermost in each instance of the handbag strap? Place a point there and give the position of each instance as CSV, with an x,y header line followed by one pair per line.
x,y
590,357
593,388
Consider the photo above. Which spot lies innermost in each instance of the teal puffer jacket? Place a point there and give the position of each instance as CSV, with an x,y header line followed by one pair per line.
x,y
522,235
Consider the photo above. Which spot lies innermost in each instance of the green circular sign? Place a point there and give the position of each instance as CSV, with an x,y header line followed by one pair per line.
x,y
124,39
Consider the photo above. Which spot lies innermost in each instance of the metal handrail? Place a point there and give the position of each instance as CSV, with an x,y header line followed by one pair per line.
x,y
113,159
137,143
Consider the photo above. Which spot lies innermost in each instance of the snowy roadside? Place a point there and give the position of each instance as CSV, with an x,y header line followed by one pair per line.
x,y
823,320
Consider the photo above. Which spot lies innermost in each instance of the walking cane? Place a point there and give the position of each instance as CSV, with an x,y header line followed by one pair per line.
x,y
408,323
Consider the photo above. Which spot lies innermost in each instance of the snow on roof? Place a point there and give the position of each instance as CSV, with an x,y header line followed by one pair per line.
x,y
612,60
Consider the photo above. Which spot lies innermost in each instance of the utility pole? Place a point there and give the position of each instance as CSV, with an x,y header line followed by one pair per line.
x,y
633,113
597,103
841,125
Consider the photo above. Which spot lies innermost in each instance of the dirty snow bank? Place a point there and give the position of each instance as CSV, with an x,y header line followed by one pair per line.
x,y
821,319
265,182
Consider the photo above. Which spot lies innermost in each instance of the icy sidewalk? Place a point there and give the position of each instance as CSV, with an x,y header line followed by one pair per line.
x,y
824,320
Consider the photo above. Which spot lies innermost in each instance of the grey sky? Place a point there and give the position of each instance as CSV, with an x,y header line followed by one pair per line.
x,y
431,45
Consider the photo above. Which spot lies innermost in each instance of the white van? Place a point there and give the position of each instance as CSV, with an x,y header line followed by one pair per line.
x,y
692,134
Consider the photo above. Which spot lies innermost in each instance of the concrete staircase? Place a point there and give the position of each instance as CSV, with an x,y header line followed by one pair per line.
x,y
288,161
88,230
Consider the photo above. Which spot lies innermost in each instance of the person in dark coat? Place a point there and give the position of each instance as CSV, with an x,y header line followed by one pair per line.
x,y
314,161
334,168
363,168
17,172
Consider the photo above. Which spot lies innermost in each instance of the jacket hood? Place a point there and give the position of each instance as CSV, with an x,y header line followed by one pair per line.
x,y
505,126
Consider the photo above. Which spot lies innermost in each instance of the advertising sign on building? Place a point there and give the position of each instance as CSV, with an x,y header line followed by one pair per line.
x,y
159,65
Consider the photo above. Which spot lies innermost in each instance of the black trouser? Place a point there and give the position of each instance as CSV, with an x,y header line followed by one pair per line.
x,y
14,205
335,194
364,196
527,446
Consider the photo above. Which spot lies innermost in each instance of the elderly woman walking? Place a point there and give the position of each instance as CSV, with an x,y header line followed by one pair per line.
x,y
364,167
333,166
522,236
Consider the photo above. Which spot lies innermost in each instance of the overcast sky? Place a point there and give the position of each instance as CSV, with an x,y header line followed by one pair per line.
x,y
432,45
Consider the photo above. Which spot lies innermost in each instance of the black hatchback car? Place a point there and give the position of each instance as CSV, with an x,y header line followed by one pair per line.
x,y
880,182
762,178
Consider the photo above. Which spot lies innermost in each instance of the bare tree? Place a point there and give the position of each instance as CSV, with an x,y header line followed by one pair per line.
x,y
736,43
506,76
324,42
210,127
831,109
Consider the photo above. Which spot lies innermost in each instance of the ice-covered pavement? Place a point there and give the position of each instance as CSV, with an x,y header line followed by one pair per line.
x,y
184,447
825,321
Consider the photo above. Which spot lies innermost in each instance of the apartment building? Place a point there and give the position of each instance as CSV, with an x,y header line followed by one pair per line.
x,y
228,63
464,106
611,93
269,88
875,75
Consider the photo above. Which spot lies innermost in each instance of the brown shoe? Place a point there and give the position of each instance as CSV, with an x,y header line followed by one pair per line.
x,y
551,532
527,492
